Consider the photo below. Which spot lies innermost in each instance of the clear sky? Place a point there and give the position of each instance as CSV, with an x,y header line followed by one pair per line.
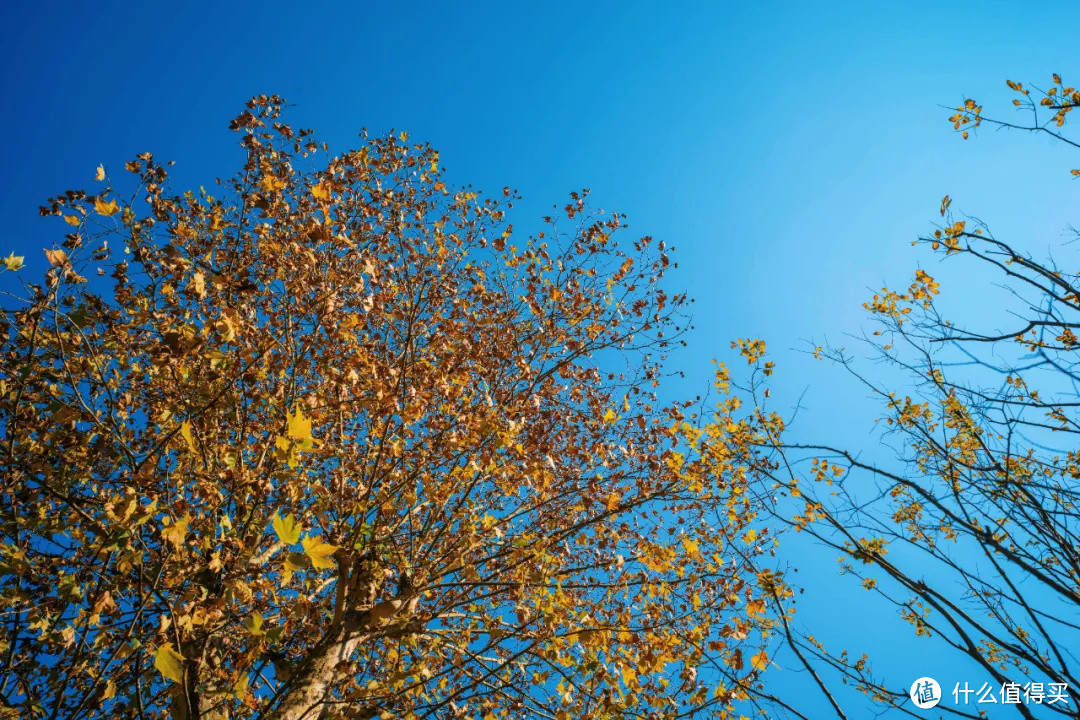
x,y
789,151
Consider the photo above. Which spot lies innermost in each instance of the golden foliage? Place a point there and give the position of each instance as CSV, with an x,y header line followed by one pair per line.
x,y
460,426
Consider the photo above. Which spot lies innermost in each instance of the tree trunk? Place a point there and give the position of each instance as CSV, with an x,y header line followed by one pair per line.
x,y
317,676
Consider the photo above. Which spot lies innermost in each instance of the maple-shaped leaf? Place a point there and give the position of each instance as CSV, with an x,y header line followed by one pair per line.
x,y
287,529
691,548
176,533
13,262
197,285
297,439
320,553
755,608
272,183
226,327
760,661
56,258
321,191
286,452
300,430
254,624
169,663
106,208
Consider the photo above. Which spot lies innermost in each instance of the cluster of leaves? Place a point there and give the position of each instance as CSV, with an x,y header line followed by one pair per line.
x,y
333,442
973,535
1058,98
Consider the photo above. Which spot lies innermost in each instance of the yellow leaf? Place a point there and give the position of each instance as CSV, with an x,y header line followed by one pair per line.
x,y
185,432
197,284
226,327
272,183
100,174
610,417
284,451
300,430
287,529
254,624
106,208
294,562
14,262
320,552
176,533
110,690
755,608
72,220
760,661
170,663
691,547
321,191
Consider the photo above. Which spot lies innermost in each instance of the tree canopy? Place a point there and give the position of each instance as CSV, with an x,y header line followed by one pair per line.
x,y
331,440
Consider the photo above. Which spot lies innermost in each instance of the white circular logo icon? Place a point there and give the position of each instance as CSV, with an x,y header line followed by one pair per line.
x,y
925,693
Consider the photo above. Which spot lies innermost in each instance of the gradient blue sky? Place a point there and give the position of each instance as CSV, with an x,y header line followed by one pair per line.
x,y
789,151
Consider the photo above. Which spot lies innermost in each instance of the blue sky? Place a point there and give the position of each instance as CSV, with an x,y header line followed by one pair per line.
x,y
789,151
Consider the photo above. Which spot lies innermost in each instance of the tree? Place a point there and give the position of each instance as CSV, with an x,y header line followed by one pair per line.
x,y
973,535
333,442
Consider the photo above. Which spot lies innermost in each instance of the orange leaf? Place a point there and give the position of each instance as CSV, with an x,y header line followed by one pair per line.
x,y
106,208
57,258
